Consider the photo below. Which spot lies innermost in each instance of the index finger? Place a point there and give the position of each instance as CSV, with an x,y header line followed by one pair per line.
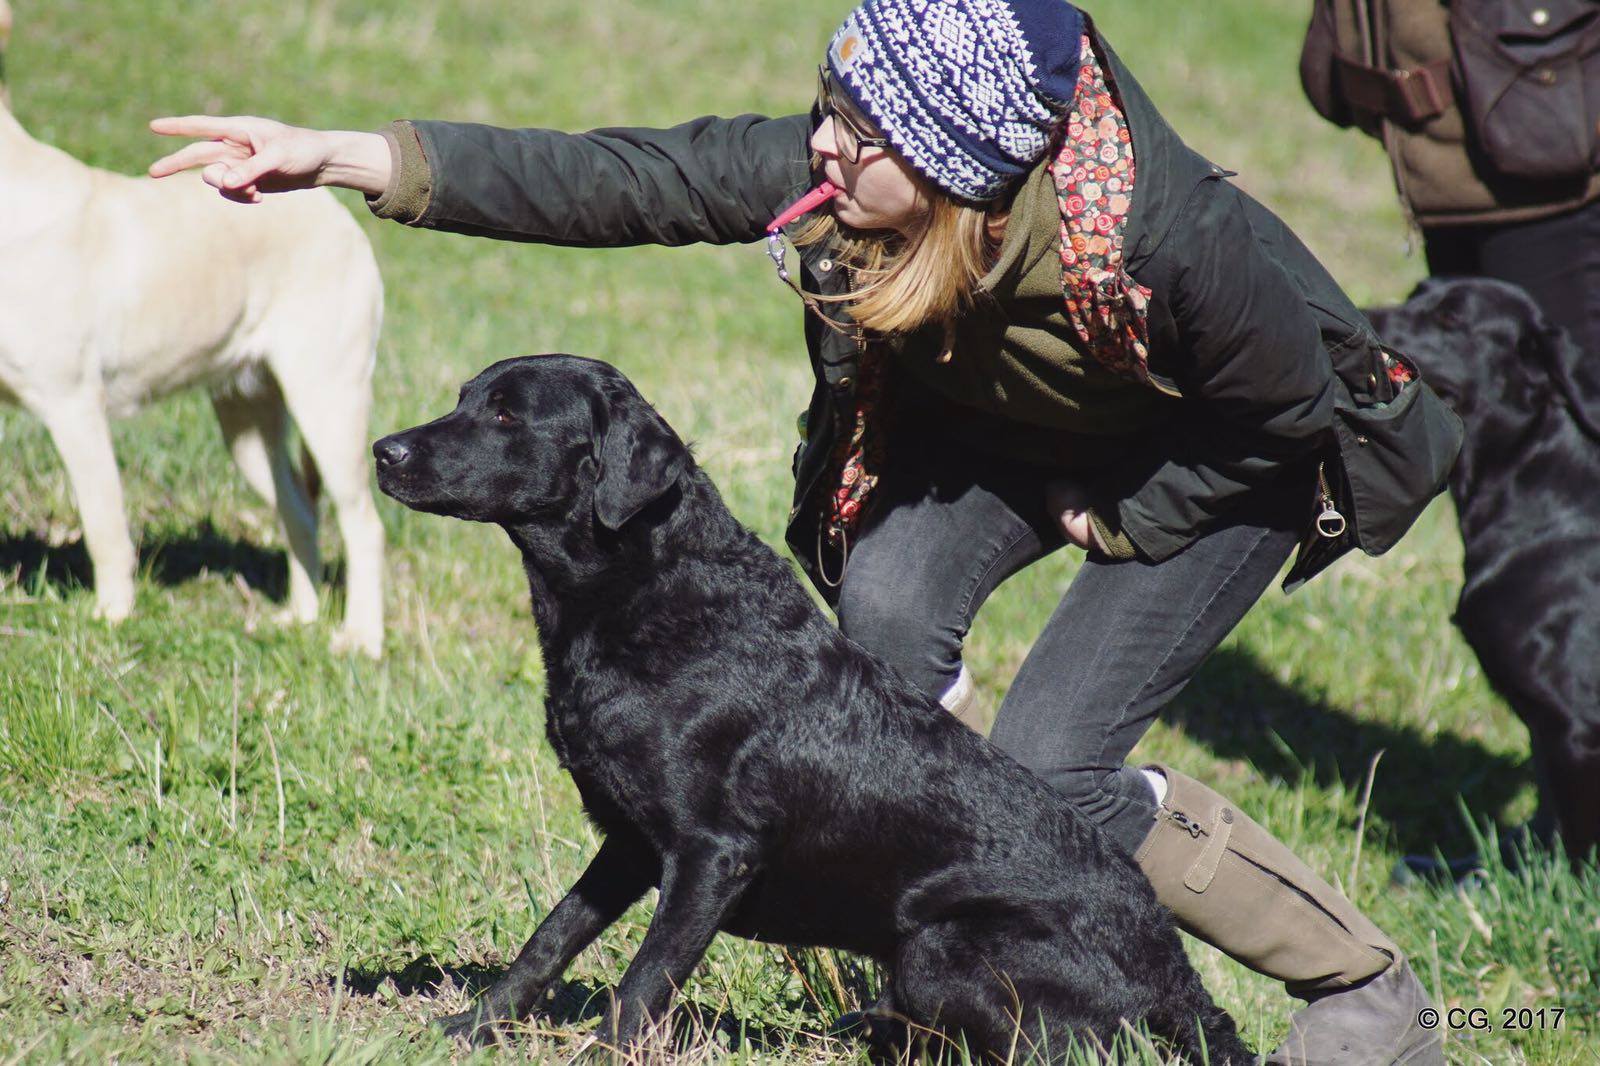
x,y
210,126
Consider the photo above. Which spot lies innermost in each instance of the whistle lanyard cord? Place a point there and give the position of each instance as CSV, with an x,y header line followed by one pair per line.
x,y
777,253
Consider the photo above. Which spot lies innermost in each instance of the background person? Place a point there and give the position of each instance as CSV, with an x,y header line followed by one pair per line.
x,y
1395,71
1025,285
1388,69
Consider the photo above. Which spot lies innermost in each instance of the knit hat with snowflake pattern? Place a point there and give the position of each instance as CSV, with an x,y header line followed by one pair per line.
x,y
966,90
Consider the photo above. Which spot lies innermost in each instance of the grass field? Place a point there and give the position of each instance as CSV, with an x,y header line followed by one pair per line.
x,y
219,842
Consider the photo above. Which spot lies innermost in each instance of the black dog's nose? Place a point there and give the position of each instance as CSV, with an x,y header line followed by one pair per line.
x,y
391,451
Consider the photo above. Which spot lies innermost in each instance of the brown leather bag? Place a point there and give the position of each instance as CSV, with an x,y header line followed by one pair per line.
x,y
1317,75
1529,71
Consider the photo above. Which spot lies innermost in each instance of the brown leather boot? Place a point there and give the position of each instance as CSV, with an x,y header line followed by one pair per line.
x,y
1232,884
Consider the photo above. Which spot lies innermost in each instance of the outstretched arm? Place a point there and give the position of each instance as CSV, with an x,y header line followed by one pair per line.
x,y
710,180
713,180
244,156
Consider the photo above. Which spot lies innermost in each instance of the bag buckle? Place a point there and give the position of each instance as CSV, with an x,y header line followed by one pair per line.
x,y
1418,95
1408,95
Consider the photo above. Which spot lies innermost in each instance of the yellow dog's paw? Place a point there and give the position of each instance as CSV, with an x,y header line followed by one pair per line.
x,y
113,605
347,641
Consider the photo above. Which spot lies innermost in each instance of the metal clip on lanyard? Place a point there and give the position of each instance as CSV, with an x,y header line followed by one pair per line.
x,y
809,202
777,253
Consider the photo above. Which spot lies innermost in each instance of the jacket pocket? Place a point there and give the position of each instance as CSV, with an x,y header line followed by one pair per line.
x,y
1395,458
1391,458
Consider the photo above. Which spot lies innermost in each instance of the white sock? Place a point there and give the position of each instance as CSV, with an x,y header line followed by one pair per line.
x,y
959,694
1158,784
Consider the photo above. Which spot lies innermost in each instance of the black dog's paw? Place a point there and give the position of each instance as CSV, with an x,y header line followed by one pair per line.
x,y
475,1025
885,1036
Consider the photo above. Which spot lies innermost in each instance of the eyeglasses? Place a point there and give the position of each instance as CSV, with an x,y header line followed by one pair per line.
x,y
847,134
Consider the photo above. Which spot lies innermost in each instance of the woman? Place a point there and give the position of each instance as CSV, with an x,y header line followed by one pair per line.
x,y
996,314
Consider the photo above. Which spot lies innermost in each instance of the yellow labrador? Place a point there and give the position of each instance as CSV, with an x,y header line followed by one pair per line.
x,y
116,290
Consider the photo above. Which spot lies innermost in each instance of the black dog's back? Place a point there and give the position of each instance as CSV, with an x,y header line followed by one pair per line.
x,y
773,778
1527,496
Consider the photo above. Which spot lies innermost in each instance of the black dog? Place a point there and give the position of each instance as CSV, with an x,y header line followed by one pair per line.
x,y
1527,492
774,779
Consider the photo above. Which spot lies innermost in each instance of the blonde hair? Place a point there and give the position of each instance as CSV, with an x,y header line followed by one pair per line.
x,y
927,276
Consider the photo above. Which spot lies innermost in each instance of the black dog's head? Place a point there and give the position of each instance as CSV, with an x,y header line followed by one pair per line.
x,y
533,439
1486,348
1490,353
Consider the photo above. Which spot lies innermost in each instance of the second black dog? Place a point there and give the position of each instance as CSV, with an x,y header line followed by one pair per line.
x,y
774,779
1527,494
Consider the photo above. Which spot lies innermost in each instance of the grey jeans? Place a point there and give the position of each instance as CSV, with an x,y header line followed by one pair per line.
x,y
947,528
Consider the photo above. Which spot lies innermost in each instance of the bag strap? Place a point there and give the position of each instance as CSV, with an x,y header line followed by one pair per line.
x,y
1370,15
1404,95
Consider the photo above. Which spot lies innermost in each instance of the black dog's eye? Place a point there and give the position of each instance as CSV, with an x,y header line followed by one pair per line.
x,y
504,417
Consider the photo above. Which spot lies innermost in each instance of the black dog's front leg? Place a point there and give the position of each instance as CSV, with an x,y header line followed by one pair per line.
x,y
621,871
700,885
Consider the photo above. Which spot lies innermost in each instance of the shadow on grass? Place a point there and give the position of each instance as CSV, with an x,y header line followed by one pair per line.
x,y
170,557
423,975
1236,708
569,1004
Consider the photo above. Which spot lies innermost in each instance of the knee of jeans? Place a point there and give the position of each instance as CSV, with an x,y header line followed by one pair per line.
x,y
1097,793
901,629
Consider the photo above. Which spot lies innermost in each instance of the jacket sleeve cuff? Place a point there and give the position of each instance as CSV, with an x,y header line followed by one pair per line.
x,y
1111,540
410,188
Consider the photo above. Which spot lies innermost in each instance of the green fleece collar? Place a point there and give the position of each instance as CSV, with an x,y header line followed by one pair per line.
x,y
1033,235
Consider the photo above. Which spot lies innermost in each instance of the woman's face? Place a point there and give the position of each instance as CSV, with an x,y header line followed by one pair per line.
x,y
878,191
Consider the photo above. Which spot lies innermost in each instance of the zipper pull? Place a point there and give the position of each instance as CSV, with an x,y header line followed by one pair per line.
x,y
1330,523
1183,822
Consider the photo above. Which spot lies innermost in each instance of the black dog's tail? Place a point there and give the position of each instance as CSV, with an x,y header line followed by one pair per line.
x,y
1202,1031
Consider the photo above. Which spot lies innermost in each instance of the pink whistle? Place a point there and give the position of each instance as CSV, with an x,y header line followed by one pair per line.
x,y
809,202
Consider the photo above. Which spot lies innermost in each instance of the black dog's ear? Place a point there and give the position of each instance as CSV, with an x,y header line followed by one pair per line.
x,y
1575,375
640,459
